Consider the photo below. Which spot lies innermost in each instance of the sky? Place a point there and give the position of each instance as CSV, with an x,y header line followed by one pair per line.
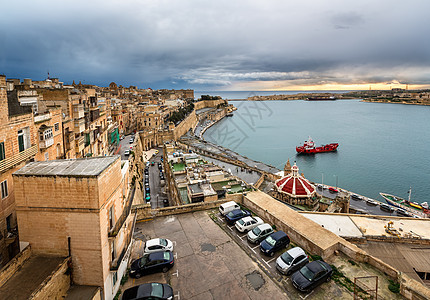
x,y
234,45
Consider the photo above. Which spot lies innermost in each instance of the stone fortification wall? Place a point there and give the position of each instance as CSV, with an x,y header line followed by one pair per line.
x,y
188,123
56,285
208,103
323,242
14,265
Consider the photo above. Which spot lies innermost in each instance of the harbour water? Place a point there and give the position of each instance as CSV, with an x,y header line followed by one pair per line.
x,y
382,147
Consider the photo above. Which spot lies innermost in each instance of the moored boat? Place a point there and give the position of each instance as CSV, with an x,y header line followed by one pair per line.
x,y
412,208
309,147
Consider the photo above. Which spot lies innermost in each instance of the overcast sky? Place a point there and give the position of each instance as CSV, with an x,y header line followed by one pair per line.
x,y
218,45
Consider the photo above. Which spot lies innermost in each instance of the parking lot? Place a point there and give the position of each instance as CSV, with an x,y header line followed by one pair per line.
x,y
268,264
208,263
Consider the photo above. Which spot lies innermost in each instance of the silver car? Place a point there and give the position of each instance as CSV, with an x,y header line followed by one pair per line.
x,y
291,260
259,233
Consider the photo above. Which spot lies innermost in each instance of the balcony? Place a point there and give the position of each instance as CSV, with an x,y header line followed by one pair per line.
x,y
78,111
43,144
80,144
79,125
9,163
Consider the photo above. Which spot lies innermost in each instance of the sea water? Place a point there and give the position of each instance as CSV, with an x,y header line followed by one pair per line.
x,y
382,147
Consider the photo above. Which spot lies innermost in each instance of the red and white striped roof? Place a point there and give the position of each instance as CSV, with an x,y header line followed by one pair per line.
x,y
295,185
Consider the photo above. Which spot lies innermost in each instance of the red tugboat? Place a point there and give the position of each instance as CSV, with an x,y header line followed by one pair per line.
x,y
309,147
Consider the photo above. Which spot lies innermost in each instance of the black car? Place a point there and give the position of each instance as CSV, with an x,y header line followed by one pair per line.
x,y
166,202
152,263
274,242
147,190
146,180
160,166
149,291
235,215
311,275
146,171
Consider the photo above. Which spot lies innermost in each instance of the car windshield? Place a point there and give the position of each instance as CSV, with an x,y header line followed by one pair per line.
x,y
287,258
241,221
166,255
157,290
163,242
256,231
143,260
307,273
270,241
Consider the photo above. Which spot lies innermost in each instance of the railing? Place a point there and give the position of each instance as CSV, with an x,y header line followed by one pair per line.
x,y
8,163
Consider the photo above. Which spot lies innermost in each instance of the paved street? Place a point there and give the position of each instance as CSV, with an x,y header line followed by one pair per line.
x,y
157,186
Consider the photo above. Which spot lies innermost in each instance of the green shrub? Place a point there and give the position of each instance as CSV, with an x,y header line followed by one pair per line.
x,y
316,257
118,294
352,262
394,287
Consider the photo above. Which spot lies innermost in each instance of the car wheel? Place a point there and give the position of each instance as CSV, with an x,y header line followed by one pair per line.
x,y
137,275
165,269
328,279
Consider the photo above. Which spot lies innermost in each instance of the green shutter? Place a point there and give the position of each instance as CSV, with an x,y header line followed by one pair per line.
x,y
21,143
2,152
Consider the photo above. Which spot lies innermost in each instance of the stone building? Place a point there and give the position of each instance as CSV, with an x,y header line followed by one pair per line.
x,y
49,130
81,208
17,146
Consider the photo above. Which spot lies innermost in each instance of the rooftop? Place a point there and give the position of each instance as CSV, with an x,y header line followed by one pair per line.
x,y
84,167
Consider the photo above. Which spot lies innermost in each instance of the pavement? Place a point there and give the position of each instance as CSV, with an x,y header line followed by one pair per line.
x,y
208,263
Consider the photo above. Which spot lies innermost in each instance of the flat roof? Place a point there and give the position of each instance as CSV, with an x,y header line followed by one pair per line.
x,y
82,167
340,225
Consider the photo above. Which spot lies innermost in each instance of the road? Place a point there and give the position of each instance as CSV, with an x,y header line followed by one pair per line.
x,y
157,186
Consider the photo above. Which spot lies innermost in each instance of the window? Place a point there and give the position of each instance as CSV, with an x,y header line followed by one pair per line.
x,y
111,217
9,222
57,126
3,186
114,278
113,250
2,152
46,156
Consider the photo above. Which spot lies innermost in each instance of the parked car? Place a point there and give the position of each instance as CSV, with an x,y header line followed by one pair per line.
x,y
311,275
156,151
291,260
274,242
165,202
146,171
147,190
131,141
157,245
248,223
227,207
148,197
127,152
160,166
148,291
152,263
333,190
259,233
147,164
235,215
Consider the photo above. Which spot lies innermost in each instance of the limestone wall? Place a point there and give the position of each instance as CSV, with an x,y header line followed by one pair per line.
x,y
14,265
189,122
56,285
208,103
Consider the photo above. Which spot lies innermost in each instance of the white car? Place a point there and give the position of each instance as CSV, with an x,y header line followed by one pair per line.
x,y
291,260
248,223
127,152
157,245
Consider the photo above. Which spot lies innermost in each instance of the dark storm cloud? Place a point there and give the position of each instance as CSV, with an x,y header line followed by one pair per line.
x,y
216,44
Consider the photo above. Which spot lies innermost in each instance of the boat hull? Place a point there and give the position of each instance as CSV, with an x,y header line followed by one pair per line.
x,y
325,148
415,212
